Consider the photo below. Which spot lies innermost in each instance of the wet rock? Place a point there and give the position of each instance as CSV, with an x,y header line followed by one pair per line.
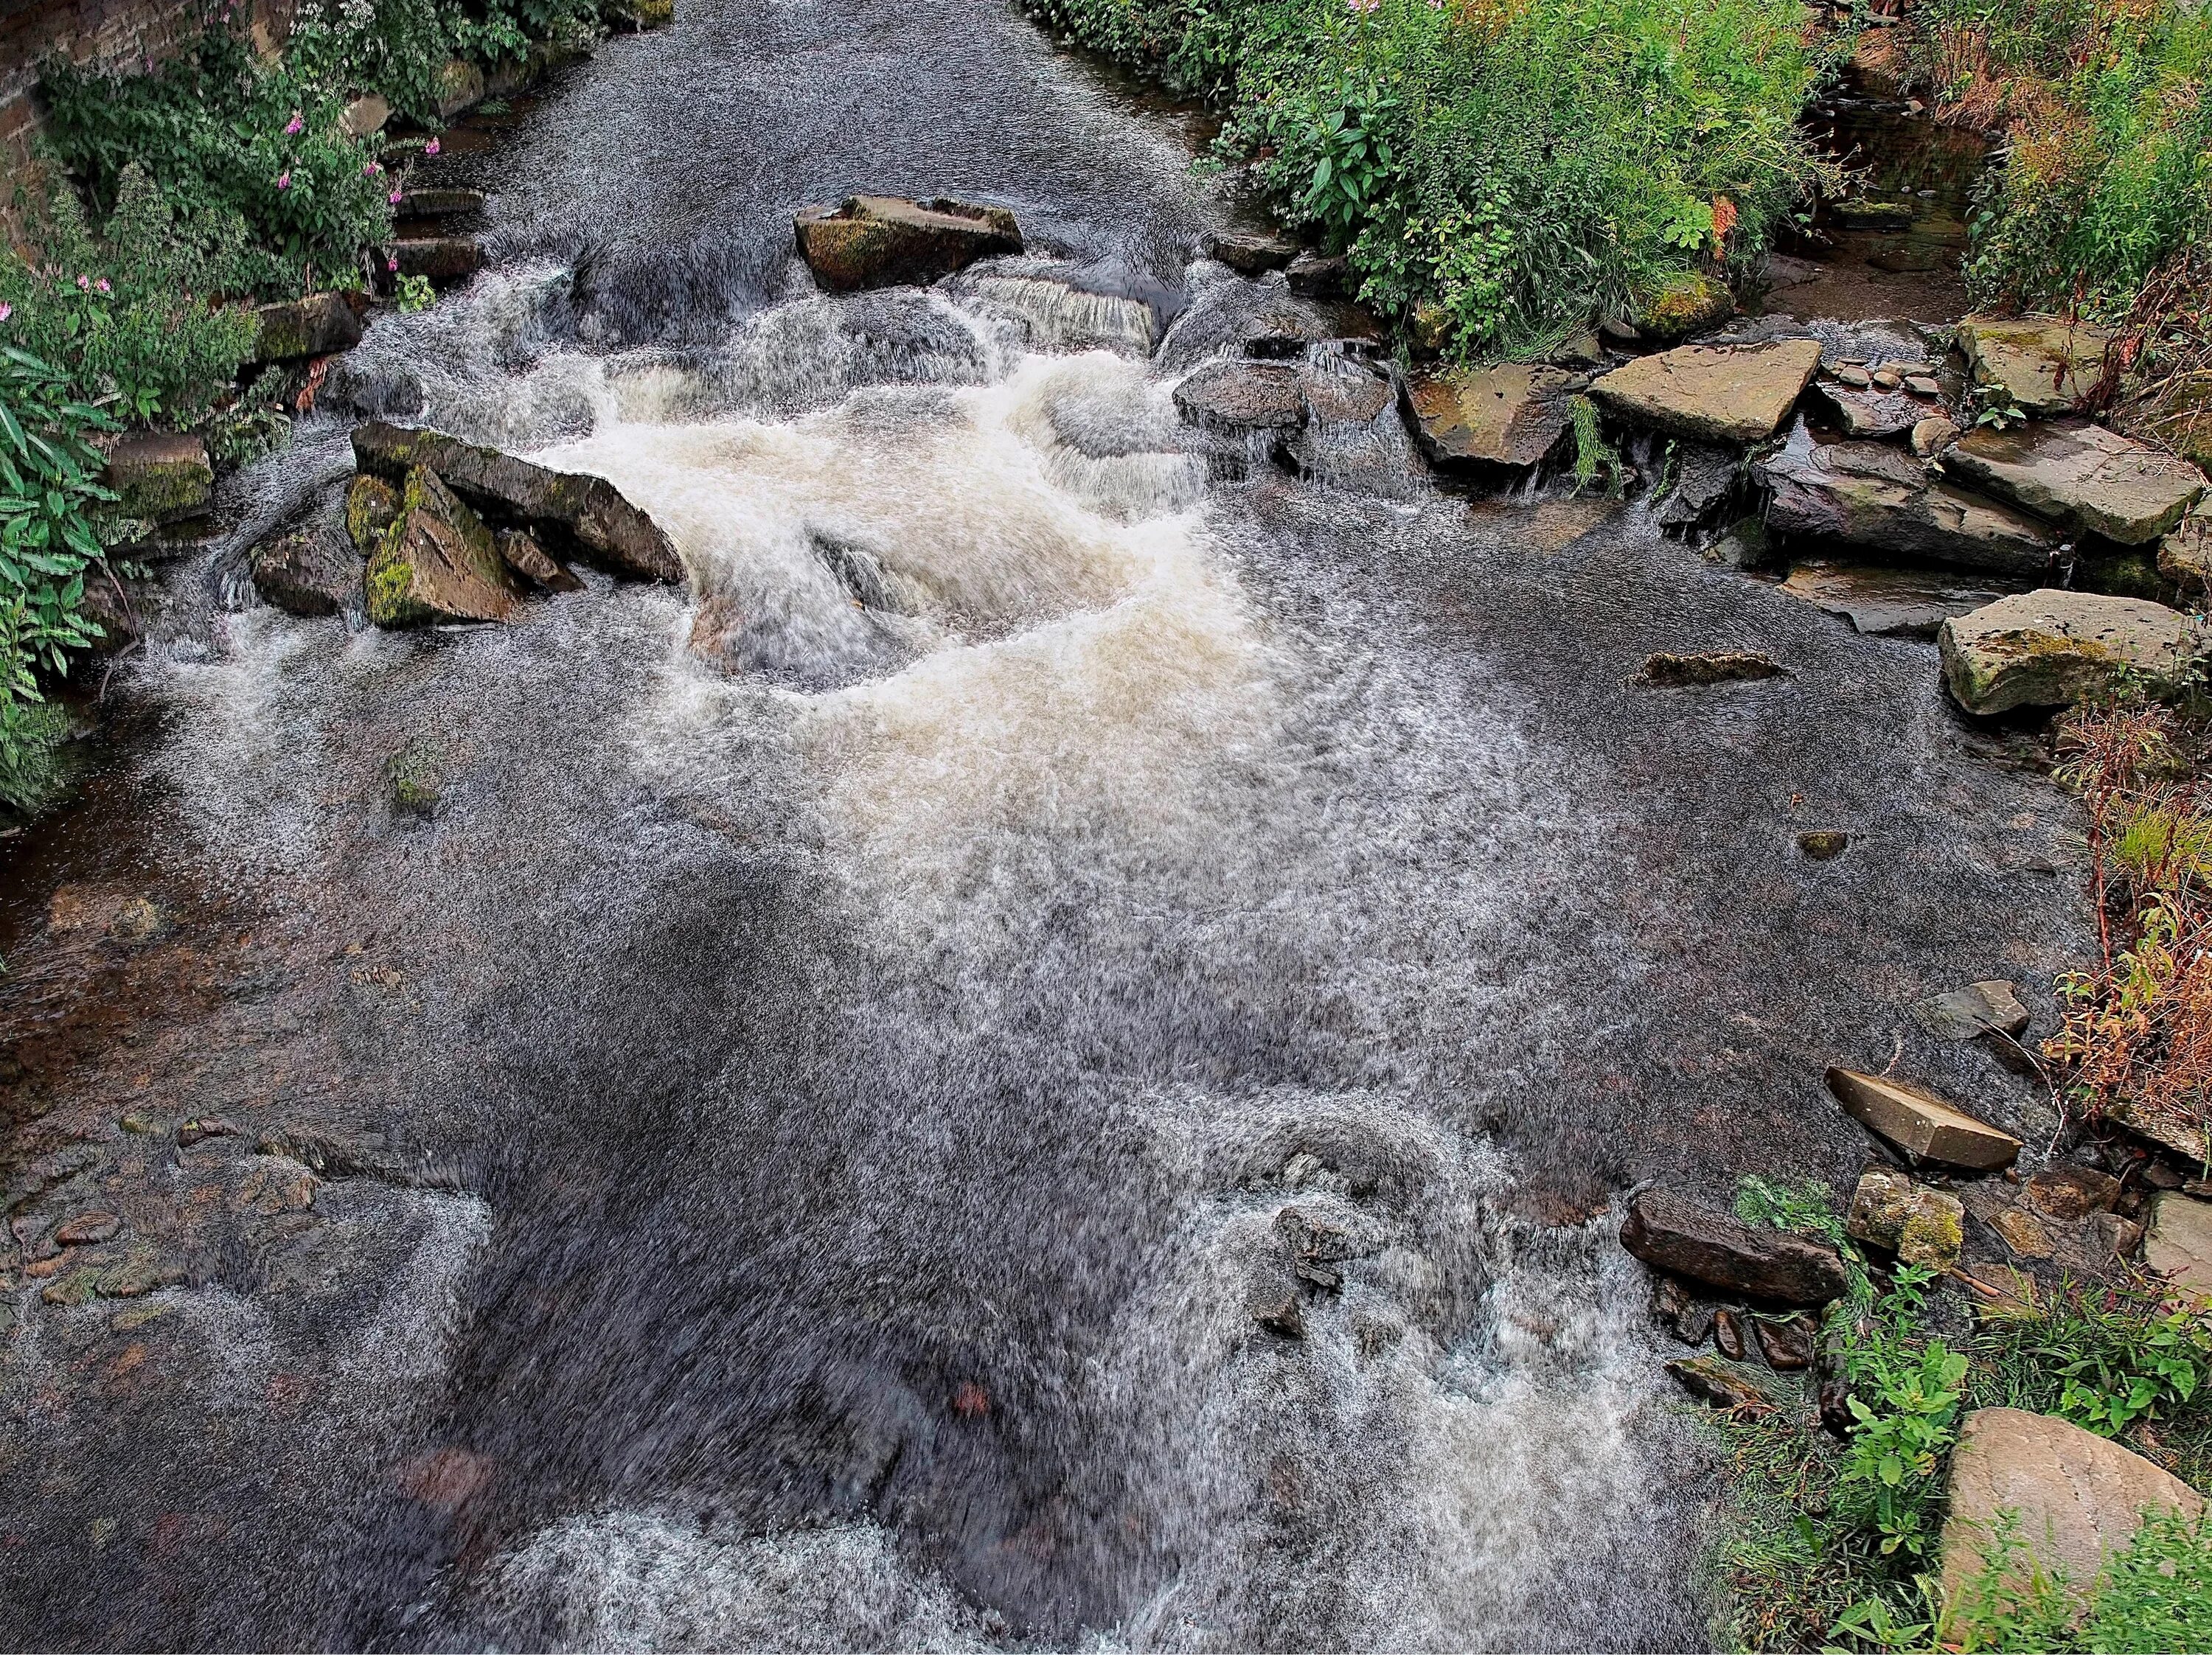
x,y
1512,416
440,203
1318,1246
1237,396
1690,303
1254,252
2043,365
1582,350
331,1153
1921,1226
1712,393
87,1228
2077,1499
1860,212
1670,1231
1787,1346
1886,602
311,572
206,1126
1281,332
1872,494
437,259
639,16
1871,414
159,475
1320,275
1694,1325
2177,1243
416,776
436,563
2185,555
524,556
365,116
1824,844
1278,1308
317,325
569,512
1964,1014
878,241
2071,1193
1921,1125
1714,667
2052,648
446,1478
2082,476
1704,482
1721,1383
372,505
1340,391
1728,1334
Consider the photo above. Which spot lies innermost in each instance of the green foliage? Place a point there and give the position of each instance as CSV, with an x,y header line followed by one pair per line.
x,y
1525,166
416,293
401,48
2153,1597
32,729
221,135
129,310
2111,1363
1593,454
2107,175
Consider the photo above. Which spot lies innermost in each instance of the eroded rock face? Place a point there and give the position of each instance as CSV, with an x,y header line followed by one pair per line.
x,y
2043,365
2078,1498
570,512
1921,1124
2053,648
436,562
1511,417
1671,1232
1875,495
159,475
880,241
317,325
313,571
2082,476
1713,393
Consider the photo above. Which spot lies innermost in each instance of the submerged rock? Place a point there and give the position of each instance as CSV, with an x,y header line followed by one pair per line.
x,y
1235,397
314,571
1511,417
2045,365
570,512
2053,648
1967,1013
878,241
524,556
2082,476
1713,393
1872,494
1671,1232
1886,602
159,475
2184,556
1920,1124
1921,1226
1714,667
317,325
2074,1499
1254,252
436,562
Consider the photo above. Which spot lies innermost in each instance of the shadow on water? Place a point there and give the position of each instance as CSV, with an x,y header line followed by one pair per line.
x,y
1059,1078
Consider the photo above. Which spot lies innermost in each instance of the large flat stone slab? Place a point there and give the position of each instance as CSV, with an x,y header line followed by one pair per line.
x,y
2090,480
2044,365
1511,417
2179,1243
1714,393
1670,1231
1920,1124
878,241
1885,603
1879,496
2076,1497
2053,648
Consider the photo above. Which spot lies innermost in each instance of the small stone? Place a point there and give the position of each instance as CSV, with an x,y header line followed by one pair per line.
x,y
140,1123
1721,1383
437,259
1965,1012
1922,384
460,86
312,572
87,1228
436,563
2019,1230
1824,844
79,1286
371,507
2070,1192
1855,378
2160,1176
1728,1334
1921,1124
159,475
525,557
1932,435
1887,378
440,203
1689,303
1921,1226
1714,667
2178,1244
365,116
206,1126
1670,1231
1669,1299
1695,1324
317,325
1254,253
1787,1346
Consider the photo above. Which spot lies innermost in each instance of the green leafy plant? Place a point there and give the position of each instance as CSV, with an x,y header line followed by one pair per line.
x,y
2152,1597
416,293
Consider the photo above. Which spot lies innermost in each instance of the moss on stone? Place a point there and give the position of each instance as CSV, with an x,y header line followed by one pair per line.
x,y
1690,301
372,507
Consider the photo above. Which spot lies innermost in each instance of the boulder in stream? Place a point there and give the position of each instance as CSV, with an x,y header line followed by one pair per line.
x,y
1921,1125
159,475
2085,478
2041,364
2053,648
881,241
437,562
1511,417
1670,1231
1232,397
1712,393
317,325
313,571
1252,252
1879,496
570,512
1886,602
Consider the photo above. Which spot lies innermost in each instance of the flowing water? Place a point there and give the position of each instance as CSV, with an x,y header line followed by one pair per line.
x,y
848,1053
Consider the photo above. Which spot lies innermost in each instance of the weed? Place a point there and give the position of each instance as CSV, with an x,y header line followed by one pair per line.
x,y
1593,454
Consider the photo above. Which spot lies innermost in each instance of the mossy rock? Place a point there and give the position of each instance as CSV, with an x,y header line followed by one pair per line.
x,y
1689,303
372,507
317,325
160,476
437,562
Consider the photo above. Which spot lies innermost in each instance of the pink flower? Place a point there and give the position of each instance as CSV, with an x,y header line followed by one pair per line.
x,y
284,180
393,197
372,169
296,126
7,310
84,281
431,148
102,285
391,263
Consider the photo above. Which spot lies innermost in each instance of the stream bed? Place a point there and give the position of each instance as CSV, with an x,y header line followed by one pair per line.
x,y
791,1132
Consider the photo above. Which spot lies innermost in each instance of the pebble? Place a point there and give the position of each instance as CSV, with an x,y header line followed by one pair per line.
x,y
86,1229
1728,1334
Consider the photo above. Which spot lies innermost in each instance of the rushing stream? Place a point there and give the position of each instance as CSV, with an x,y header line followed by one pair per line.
x,y
848,1047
